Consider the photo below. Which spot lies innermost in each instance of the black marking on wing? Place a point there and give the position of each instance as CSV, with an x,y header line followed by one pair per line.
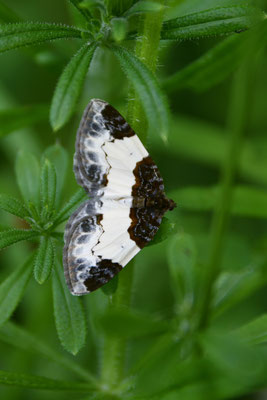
x,y
101,274
146,215
116,124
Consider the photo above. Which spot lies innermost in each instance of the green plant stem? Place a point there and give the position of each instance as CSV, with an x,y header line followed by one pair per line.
x,y
147,47
114,351
238,112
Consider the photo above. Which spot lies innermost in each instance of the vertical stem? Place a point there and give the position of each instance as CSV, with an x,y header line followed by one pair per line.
x,y
147,51
237,118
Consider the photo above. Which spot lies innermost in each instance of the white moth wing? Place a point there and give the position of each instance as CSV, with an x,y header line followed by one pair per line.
x,y
97,241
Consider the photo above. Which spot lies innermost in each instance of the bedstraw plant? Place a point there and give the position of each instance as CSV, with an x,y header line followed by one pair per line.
x,y
186,319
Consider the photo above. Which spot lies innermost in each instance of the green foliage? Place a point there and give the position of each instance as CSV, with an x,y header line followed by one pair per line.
x,y
150,95
182,257
12,236
141,7
128,324
212,22
39,382
188,320
247,201
7,14
27,173
18,118
69,316
58,158
48,187
13,206
69,86
12,290
21,34
44,260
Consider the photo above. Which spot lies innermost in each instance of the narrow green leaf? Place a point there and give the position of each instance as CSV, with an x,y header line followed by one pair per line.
x,y
233,287
182,259
70,85
12,290
70,206
17,118
12,236
143,7
255,331
22,339
13,206
235,358
216,64
247,201
129,324
7,14
44,260
58,156
84,12
48,185
21,34
212,22
147,89
207,143
39,382
28,176
69,315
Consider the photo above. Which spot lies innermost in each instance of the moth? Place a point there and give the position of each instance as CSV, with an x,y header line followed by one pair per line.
x,y
126,200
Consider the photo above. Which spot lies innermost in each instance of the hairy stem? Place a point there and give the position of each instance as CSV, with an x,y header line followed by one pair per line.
x,y
114,352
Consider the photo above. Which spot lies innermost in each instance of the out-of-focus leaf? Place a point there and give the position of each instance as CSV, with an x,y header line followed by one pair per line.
x,y
69,315
182,259
28,177
93,5
70,85
71,206
21,117
39,382
13,206
21,34
231,288
207,144
44,260
7,14
254,332
167,228
143,7
119,28
212,22
127,324
247,201
12,236
15,335
110,288
84,12
147,89
48,186
166,369
217,63
12,289
236,359
211,68
58,156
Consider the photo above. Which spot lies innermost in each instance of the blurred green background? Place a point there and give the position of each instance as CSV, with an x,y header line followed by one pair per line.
x,y
191,166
